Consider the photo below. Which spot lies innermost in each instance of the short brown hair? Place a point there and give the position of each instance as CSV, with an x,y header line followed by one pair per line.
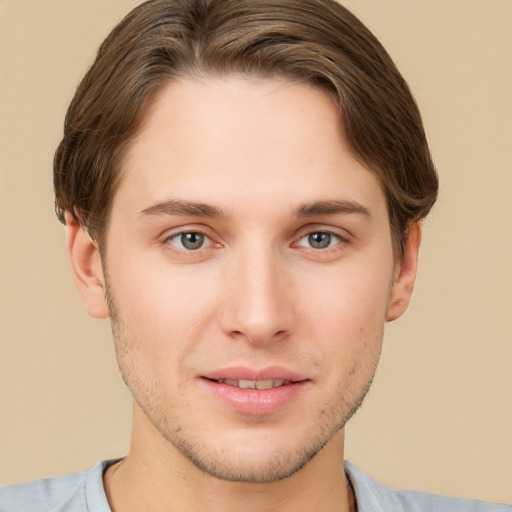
x,y
314,41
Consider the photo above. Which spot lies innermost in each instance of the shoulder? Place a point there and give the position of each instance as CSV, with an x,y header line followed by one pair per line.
x,y
77,492
372,496
47,494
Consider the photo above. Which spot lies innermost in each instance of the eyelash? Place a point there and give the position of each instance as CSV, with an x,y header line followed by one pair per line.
x,y
179,237
331,237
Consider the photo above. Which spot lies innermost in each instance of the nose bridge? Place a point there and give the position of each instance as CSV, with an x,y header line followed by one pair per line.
x,y
258,305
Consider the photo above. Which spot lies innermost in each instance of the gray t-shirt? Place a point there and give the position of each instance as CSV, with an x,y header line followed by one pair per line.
x,y
84,492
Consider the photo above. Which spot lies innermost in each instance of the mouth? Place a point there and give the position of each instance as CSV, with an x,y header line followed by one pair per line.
x,y
256,392
250,378
253,384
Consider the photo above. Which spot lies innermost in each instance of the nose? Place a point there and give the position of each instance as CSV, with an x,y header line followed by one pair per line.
x,y
258,300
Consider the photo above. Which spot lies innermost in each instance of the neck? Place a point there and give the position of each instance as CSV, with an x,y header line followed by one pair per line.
x,y
156,476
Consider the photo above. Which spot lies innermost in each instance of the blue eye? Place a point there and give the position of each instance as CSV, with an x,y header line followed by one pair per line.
x,y
189,240
320,240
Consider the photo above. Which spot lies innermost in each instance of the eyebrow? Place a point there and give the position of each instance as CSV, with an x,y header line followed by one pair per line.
x,y
331,207
195,209
179,207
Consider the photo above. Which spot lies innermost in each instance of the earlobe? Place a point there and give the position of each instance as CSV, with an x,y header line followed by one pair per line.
x,y
86,266
405,275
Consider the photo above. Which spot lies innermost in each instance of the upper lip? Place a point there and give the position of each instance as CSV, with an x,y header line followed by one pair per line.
x,y
245,373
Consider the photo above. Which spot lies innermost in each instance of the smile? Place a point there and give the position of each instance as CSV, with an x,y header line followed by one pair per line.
x,y
254,384
256,392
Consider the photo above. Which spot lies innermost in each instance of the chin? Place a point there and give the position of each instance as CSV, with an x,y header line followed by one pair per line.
x,y
251,454
266,465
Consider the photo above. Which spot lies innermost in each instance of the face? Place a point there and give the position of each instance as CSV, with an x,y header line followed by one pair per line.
x,y
249,270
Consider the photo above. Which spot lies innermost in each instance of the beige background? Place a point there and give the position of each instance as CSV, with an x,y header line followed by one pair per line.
x,y
439,416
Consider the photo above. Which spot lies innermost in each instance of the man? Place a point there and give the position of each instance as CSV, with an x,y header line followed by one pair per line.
x,y
243,185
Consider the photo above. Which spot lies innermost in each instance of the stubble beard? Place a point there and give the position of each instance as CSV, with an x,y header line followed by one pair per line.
x,y
219,463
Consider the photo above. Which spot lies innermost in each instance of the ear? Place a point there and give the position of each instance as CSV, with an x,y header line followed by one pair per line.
x,y
405,274
86,266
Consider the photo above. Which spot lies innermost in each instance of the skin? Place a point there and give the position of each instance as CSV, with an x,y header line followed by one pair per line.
x,y
268,159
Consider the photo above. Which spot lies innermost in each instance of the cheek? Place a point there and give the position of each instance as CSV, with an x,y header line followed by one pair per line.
x,y
347,318
355,299
163,309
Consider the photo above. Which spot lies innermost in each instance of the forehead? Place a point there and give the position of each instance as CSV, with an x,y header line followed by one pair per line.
x,y
243,141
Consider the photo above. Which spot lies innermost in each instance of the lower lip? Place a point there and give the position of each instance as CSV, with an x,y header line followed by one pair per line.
x,y
256,402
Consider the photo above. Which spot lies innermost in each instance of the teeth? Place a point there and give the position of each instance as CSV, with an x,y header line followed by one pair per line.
x,y
255,384
247,384
267,384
